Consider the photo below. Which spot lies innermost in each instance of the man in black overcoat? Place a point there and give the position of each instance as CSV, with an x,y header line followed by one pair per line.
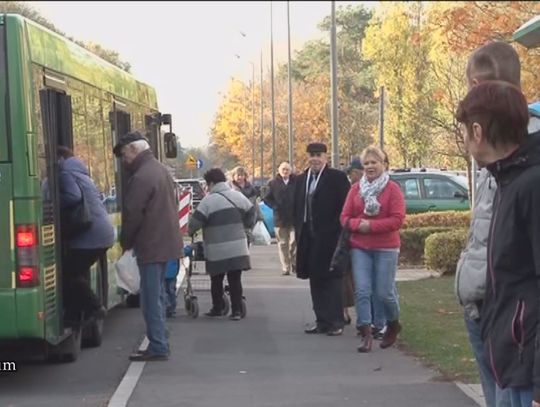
x,y
320,193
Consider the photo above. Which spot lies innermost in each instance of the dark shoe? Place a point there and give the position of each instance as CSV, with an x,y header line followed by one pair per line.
x,y
367,339
315,330
347,319
235,316
335,332
285,273
214,313
392,330
147,357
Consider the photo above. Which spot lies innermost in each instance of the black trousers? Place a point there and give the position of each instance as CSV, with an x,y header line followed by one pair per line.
x,y
78,295
235,287
327,297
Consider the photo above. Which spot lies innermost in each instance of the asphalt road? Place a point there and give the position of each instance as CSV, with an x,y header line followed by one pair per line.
x,y
88,382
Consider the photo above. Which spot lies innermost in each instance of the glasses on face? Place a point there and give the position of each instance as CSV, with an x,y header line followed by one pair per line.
x,y
315,154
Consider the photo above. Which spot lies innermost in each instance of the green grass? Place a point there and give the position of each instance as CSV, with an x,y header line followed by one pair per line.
x,y
434,330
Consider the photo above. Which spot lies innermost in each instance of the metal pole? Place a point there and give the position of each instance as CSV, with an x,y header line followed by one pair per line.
x,y
252,120
272,93
262,122
333,78
291,158
381,118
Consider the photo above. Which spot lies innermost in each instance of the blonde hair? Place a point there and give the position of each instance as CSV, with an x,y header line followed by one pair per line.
x,y
376,152
239,170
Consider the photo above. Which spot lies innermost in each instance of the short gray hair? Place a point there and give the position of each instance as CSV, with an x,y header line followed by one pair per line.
x,y
139,145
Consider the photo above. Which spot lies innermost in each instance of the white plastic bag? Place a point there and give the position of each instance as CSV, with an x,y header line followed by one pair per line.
x,y
261,237
127,273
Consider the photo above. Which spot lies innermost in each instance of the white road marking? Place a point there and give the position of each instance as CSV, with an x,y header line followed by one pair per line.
x,y
125,389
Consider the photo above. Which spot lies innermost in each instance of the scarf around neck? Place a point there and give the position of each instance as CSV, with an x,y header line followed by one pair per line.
x,y
369,191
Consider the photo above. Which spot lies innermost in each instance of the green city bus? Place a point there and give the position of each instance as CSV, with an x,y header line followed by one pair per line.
x,y
54,93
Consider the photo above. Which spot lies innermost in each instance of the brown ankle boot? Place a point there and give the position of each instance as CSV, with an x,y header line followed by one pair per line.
x,y
367,339
390,336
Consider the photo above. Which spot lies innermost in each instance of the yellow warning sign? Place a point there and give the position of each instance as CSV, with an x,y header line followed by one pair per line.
x,y
191,162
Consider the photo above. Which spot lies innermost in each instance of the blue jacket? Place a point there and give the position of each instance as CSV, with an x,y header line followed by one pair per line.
x,y
101,233
172,269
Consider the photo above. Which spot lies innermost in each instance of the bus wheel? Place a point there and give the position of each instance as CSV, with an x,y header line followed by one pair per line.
x,y
93,334
68,350
133,301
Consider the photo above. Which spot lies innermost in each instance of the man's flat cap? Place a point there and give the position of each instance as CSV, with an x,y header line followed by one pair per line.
x,y
316,148
127,139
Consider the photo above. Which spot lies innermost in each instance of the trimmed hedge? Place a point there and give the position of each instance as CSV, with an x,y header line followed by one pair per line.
x,y
412,243
442,250
451,219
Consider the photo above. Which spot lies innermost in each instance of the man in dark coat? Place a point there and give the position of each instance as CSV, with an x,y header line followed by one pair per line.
x,y
280,197
149,227
320,193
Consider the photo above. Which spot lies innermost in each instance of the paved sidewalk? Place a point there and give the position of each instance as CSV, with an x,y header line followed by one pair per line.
x,y
266,360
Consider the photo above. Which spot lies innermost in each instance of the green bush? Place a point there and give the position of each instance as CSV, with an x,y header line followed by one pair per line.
x,y
442,219
442,250
412,243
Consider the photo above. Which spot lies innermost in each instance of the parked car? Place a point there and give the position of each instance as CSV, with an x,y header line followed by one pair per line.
x,y
427,191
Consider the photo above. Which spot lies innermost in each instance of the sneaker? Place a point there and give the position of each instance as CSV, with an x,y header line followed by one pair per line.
x,y
235,316
214,313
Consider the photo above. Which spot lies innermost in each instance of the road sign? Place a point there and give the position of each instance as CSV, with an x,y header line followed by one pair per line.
x,y
199,164
191,162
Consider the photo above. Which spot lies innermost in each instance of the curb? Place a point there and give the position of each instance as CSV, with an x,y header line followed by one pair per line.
x,y
473,391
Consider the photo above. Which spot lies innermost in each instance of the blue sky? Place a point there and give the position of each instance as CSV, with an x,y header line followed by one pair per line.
x,y
186,50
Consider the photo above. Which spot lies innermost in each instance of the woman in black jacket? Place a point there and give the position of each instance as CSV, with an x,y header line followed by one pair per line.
x,y
495,118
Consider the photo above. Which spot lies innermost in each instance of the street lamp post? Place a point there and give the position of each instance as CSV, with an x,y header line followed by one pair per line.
x,y
289,90
333,77
262,122
272,92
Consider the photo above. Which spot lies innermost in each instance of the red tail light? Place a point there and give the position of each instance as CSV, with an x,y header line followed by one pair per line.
x,y
26,236
27,274
27,256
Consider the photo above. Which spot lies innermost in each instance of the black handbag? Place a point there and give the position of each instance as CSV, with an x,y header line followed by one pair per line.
x,y
341,258
78,218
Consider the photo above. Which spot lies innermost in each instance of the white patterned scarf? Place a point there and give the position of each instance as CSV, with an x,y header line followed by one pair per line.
x,y
369,191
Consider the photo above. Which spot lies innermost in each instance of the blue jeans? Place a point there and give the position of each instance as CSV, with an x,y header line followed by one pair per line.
x,y
374,273
493,394
521,396
152,298
170,291
377,308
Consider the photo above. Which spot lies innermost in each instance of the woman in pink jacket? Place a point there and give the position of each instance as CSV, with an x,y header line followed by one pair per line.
x,y
374,212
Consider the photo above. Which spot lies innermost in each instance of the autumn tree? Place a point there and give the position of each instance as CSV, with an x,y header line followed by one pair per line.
x,y
467,25
398,46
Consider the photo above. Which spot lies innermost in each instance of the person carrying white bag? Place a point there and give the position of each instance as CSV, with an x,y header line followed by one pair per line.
x,y
149,227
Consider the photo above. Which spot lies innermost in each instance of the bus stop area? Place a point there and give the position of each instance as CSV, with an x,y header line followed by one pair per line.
x,y
267,360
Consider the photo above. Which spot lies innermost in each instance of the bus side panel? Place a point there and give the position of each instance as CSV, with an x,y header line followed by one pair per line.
x,y
7,232
29,313
4,155
8,316
21,109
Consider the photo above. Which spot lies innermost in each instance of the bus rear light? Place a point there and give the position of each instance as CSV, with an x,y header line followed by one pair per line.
x,y
27,255
28,276
26,236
